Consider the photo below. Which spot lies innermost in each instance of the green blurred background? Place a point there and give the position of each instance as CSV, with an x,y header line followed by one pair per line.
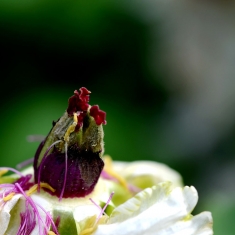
x,y
162,70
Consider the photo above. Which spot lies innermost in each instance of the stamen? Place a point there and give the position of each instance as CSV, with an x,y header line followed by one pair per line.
x,y
46,185
101,210
109,170
107,203
51,233
42,185
71,128
8,197
2,172
94,226
95,203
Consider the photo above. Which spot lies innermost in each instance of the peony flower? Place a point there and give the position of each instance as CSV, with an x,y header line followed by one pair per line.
x,y
72,188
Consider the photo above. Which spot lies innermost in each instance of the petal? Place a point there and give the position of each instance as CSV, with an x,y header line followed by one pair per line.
x,y
145,174
65,208
158,210
85,216
5,215
200,224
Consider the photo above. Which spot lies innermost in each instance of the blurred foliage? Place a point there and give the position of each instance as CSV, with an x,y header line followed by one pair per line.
x,y
51,48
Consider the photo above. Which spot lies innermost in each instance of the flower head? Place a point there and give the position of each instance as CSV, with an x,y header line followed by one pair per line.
x,y
69,159
73,189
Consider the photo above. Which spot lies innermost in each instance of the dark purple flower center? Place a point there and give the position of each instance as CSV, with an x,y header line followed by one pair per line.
x,y
84,169
69,159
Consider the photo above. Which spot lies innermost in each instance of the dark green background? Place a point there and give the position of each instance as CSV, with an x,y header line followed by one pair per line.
x,y
51,48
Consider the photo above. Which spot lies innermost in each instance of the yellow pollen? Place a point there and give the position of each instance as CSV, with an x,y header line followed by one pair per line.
x,y
2,172
34,188
109,169
8,197
71,128
51,233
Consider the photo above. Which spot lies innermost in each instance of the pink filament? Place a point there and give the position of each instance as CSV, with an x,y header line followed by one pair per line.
x,y
13,170
105,206
32,204
24,163
46,224
28,222
66,170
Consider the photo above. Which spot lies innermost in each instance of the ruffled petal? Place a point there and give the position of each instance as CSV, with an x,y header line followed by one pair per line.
x,y
158,210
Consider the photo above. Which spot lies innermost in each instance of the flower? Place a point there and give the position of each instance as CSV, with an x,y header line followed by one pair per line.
x,y
72,188
161,209
69,159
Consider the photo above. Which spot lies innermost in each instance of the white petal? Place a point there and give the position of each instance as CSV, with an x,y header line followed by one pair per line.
x,y
82,212
137,170
198,225
5,214
157,211
85,214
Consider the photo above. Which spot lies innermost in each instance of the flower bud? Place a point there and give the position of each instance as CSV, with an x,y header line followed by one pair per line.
x,y
69,159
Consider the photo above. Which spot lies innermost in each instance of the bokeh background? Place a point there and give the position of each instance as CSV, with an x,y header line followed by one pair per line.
x,y
164,71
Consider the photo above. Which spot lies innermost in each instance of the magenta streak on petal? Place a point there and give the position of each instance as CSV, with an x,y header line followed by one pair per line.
x,y
49,220
57,222
23,182
28,221
33,205
43,159
13,170
24,163
66,169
